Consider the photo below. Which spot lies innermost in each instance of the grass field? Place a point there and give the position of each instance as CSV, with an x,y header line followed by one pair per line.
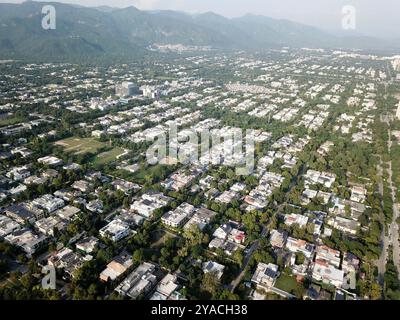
x,y
157,172
289,284
81,145
109,156
8,121
159,238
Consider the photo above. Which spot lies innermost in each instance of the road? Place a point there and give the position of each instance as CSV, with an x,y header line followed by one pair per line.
x,y
232,286
246,261
282,293
393,237
394,230
381,262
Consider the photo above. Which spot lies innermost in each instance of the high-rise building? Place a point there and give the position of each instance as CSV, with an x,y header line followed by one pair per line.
x,y
126,89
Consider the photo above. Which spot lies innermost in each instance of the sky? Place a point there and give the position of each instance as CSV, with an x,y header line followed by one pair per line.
x,y
373,17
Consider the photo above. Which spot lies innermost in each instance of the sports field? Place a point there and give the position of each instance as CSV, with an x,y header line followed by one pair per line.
x,y
109,156
78,145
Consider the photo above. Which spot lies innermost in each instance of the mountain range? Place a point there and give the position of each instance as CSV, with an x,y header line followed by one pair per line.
x,y
106,31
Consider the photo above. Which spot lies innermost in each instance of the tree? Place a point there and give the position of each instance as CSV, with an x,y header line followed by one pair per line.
x,y
193,235
227,295
137,256
3,266
376,291
92,291
210,283
126,202
238,257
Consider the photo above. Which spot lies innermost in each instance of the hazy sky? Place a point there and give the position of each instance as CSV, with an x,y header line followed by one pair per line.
x,y
374,17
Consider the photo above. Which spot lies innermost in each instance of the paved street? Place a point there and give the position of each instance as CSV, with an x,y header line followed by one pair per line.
x,y
392,236
246,261
381,262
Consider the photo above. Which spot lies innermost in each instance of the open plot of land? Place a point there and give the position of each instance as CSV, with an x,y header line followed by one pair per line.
x,y
156,173
8,121
289,284
160,237
78,145
109,156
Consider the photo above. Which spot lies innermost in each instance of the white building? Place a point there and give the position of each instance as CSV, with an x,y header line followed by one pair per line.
x,y
7,226
327,273
179,216
50,161
126,89
140,281
26,240
294,218
265,274
166,287
301,246
49,203
213,267
115,230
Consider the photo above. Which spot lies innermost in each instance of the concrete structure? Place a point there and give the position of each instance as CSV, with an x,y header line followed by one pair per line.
x,y
265,275
115,230
126,89
140,281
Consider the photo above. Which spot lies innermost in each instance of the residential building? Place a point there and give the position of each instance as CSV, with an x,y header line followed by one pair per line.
x,y
67,260
344,225
328,255
115,230
83,186
176,218
7,226
49,203
48,225
265,275
149,202
327,273
117,267
50,161
67,213
20,213
26,240
278,238
87,245
201,218
213,267
166,287
298,219
301,246
140,282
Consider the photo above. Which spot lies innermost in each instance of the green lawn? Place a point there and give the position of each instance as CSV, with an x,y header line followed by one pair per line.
x,y
159,238
108,156
10,121
78,145
289,284
157,172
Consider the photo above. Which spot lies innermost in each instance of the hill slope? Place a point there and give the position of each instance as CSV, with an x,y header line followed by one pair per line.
x,y
105,31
